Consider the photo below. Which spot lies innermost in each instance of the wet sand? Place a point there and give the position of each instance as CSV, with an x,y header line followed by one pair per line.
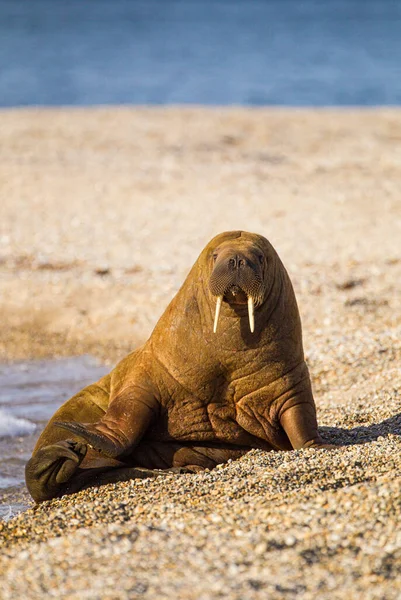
x,y
103,213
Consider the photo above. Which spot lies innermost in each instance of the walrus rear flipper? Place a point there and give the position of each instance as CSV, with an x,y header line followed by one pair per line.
x,y
95,438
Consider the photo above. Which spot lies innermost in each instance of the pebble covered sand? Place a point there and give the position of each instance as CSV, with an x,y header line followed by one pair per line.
x,y
103,211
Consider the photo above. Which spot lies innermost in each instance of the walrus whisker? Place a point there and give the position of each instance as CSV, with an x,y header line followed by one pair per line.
x,y
251,314
216,316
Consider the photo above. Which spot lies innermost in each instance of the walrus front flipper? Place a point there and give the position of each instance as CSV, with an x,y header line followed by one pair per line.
x,y
122,426
300,424
107,444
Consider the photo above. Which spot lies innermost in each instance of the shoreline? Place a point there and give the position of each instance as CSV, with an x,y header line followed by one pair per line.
x,y
105,211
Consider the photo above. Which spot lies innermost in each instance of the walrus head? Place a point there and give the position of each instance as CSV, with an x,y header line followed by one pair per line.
x,y
238,276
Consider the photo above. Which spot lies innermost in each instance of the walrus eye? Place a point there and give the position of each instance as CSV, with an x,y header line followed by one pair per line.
x,y
215,255
260,257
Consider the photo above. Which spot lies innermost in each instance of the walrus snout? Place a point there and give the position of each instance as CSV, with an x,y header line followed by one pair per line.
x,y
237,277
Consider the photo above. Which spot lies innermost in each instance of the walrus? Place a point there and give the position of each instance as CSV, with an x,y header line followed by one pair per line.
x,y
223,372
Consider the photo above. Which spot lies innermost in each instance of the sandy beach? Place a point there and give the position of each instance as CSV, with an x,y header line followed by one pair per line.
x,y
103,212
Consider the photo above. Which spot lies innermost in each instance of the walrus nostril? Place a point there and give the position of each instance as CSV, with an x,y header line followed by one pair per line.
x,y
237,262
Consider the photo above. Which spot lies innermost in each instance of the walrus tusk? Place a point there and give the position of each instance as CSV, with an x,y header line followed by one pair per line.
x,y
251,314
216,316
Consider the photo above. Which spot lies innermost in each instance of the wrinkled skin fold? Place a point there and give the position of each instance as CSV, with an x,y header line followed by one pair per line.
x,y
208,385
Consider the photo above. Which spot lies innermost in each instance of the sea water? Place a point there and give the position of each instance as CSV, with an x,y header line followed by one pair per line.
x,y
30,393
248,52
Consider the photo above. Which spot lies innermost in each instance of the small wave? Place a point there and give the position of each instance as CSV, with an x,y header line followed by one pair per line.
x,y
8,511
7,482
13,426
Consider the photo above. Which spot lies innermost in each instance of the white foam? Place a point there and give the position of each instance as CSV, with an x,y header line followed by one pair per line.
x,y
13,426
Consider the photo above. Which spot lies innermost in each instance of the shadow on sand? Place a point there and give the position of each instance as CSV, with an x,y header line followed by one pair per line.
x,y
362,434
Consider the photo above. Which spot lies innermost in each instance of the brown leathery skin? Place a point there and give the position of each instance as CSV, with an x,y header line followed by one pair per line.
x,y
190,397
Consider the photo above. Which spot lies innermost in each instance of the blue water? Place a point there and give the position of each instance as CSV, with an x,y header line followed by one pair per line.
x,y
30,393
251,52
